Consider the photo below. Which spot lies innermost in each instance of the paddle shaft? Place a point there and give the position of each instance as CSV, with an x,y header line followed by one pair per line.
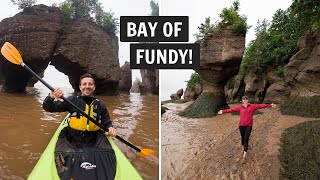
x,y
78,109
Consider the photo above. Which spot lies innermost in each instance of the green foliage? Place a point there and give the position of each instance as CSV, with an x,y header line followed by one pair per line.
x,y
300,151
204,29
67,10
302,106
92,10
229,19
279,72
275,43
206,105
154,8
106,20
194,79
84,8
232,20
22,4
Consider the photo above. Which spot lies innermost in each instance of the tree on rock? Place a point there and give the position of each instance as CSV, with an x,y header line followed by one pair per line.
x,y
92,10
221,54
22,4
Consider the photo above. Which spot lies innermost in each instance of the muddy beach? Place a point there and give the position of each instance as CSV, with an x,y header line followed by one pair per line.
x,y
210,148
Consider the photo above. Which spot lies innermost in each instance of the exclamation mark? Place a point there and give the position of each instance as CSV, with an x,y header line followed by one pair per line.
x,y
190,56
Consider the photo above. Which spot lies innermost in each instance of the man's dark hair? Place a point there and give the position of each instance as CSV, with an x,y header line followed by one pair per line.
x,y
87,75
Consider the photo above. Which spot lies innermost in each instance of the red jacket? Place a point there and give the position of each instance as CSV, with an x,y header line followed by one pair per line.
x,y
246,114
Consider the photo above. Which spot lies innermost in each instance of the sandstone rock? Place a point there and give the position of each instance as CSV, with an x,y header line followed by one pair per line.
x,y
306,41
75,48
303,71
254,85
277,93
125,82
177,95
149,80
197,90
86,48
135,88
189,94
34,33
220,58
193,93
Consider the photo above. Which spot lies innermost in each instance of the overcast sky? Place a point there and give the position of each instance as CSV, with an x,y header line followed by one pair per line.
x,y
118,7
172,80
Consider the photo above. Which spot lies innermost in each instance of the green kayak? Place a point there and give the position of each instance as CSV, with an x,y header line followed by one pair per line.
x,y
46,168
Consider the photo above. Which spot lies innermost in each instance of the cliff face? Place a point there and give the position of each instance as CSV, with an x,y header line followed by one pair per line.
x,y
41,36
303,71
301,76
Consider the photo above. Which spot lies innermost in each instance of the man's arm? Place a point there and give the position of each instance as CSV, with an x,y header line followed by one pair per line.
x,y
51,105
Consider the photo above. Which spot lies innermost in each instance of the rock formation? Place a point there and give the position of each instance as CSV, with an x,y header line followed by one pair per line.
x,y
35,33
301,75
41,36
277,93
220,58
255,84
193,94
303,70
149,81
177,95
135,88
125,82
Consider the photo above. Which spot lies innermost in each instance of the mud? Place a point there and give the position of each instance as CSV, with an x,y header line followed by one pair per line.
x,y
210,148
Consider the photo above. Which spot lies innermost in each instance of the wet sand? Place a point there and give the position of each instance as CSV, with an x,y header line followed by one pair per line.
x,y
210,148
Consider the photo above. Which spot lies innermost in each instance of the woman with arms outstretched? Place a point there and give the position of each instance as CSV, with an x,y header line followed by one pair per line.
x,y
246,119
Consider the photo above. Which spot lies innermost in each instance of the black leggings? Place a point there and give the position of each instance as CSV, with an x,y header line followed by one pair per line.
x,y
245,132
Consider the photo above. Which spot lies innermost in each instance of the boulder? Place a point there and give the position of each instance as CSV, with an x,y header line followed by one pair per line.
x,y
177,95
277,93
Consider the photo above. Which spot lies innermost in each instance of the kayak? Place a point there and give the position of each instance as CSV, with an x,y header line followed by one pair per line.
x,y
46,167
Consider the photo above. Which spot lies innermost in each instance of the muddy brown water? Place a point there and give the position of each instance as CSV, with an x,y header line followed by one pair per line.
x,y
26,129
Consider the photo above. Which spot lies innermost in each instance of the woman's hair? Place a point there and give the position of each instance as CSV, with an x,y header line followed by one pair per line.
x,y
245,97
87,75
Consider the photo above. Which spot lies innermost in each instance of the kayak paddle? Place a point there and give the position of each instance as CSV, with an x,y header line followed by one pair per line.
x,y
12,54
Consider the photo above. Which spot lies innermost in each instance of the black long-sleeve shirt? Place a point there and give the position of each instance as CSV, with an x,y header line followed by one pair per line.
x,y
52,105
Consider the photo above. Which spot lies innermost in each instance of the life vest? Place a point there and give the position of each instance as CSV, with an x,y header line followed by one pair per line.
x,y
81,123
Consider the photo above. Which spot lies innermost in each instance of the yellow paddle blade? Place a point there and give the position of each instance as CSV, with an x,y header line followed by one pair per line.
x,y
146,152
11,53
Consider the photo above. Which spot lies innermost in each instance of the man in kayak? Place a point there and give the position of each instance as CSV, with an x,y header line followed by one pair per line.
x,y
82,139
246,119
